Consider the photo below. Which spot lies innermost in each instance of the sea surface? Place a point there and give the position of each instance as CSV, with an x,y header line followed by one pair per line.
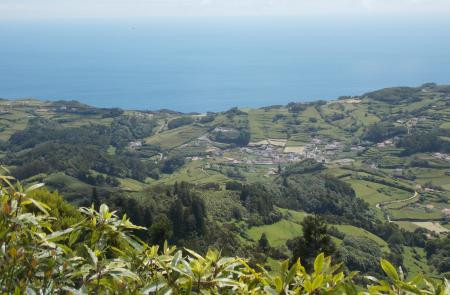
x,y
214,64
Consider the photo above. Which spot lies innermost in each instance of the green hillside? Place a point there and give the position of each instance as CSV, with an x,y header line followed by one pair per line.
x,y
375,168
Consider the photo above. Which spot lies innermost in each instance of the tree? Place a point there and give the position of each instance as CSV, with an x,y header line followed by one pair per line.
x,y
198,210
263,243
64,213
315,240
95,198
176,215
360,254
178,122
172,164
160,231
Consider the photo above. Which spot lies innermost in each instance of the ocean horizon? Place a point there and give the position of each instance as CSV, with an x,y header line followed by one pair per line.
x,y
199,66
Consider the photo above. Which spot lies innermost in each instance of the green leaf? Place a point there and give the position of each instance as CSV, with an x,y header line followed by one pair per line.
x,y
176,259
41,206
271,291
378,289
389,269
6,180
410,288
278,283
338,277
317,282
308,286
318,263
284,267
104,209
154,287
226,282
416,279
58,235
350,289
189,286
91,253
33,187
195,254
123,272
291,274
73,237
81,291
373,279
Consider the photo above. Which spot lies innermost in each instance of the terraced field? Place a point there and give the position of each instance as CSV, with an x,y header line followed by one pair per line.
x,y
371,142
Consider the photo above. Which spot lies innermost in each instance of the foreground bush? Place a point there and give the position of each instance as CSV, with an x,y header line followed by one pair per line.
x,y
100,255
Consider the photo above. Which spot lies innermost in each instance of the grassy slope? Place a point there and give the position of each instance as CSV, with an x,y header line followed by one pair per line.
x,y
262,125
289,227
309,124
176,137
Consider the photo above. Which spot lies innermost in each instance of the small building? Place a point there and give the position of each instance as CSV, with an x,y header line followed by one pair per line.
x,y
135,144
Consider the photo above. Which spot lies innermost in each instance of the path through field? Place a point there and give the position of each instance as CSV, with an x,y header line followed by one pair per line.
x,y
381,205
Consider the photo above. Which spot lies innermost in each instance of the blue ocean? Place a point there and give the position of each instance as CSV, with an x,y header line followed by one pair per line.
x,y
214,64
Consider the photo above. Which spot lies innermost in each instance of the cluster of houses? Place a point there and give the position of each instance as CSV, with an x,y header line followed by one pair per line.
x,y
4,111
442,156
446,213
270,151
268,154
386,143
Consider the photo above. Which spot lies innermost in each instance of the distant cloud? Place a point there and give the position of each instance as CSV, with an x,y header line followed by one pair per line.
x,y
26,9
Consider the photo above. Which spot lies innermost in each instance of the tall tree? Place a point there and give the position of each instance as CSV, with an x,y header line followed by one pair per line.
x,y
95,198
263,243
160,231
176,215
315,240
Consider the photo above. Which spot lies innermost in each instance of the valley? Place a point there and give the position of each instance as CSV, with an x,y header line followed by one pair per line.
x,y
376,167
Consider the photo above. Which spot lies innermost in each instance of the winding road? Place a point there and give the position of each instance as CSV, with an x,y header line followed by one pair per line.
x,y
381,205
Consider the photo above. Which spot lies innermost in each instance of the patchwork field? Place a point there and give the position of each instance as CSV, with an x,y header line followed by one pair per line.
x,y
432,226
389,147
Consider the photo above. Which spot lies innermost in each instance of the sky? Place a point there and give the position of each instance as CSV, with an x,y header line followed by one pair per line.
x,y
107,9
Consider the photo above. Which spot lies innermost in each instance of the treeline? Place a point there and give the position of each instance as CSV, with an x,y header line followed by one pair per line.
x,y
187,213
258,198
438,254
78,161
178,122
75,107
239,137
382,131
46,146
305,166
122,130
386,182
422,142
416,141
396,95
321,194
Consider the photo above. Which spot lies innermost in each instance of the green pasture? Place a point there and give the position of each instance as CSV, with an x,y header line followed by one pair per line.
x,y
262,125
176,137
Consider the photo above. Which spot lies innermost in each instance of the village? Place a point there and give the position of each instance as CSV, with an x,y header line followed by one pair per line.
x,y
270,152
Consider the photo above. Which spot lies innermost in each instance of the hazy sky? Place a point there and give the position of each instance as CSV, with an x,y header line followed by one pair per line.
x,y
54,9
